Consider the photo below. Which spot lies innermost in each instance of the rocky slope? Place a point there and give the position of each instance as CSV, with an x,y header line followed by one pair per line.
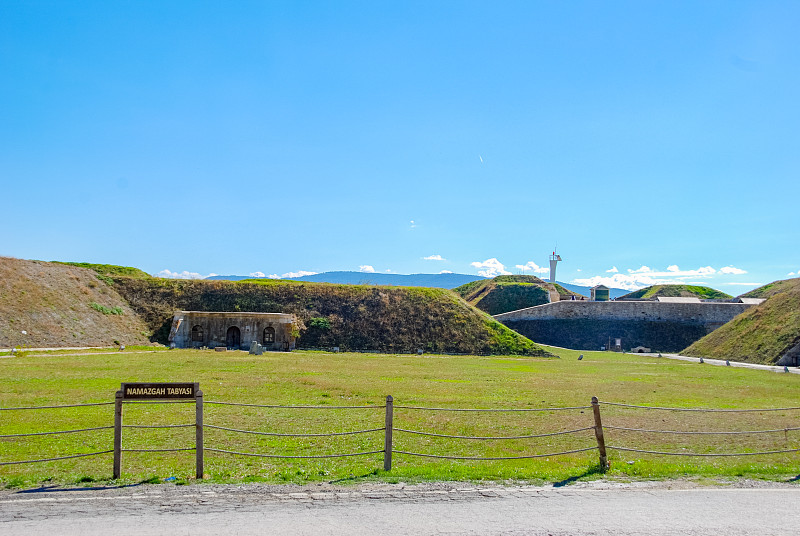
x,y
45,304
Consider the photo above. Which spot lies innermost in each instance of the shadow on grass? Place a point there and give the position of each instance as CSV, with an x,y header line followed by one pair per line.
x,y
794,479
594,470
50,489
354,478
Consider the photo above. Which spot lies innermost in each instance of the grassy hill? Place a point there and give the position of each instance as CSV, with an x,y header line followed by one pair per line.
x,y
763,333
511,292
81,304
677,291
59,305
352,317
446,280
109,271
771,289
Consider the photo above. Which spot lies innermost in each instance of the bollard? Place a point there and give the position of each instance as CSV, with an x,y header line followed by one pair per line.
x,y
387,444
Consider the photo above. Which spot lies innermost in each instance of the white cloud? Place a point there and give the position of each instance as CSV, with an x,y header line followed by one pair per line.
x,y
257,274
613,270
301,273
705,271
732,270
531,266
291,275
434,258
413,224
674,271
181,275
491,268
646,276
445,272
366,268
791,274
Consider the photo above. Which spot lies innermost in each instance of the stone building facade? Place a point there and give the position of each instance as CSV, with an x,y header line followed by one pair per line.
x,y
234,330
663,325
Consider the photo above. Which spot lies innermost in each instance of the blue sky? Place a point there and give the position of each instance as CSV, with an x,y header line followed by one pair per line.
x,y
647,141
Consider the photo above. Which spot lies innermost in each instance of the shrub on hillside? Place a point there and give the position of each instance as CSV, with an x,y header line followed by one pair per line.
x,y
353,317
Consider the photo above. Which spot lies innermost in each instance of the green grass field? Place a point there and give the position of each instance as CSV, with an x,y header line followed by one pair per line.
x,y
315,378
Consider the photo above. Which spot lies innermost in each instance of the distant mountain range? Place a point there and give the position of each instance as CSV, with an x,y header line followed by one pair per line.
x,y
411,280
363,278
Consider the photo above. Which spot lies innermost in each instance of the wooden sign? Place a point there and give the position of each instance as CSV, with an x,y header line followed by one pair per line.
x,y
159,391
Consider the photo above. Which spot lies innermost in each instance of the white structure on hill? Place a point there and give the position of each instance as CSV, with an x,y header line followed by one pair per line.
x,y
554,259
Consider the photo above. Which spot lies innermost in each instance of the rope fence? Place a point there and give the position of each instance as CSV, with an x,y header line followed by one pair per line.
x,y
56,432
158,450
295,435
332,434
157,426
495,410
530,436
705,454
388,429
745,432
495,458
59,407
705,410
58,458
387,459
727,433
273,406
59,432
293,457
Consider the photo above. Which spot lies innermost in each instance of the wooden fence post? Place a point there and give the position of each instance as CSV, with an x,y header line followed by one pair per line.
x,y
387,444
117,434
598,432
198,424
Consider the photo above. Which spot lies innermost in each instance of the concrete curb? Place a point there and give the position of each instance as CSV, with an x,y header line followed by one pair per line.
x,y
723,363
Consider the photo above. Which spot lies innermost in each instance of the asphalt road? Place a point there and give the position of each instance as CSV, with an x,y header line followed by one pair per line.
x,y
446,508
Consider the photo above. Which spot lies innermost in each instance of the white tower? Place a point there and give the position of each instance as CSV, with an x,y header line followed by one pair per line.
x,y
553,262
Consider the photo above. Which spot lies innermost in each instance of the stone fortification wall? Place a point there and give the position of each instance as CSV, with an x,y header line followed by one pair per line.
x,y
664,327
710,314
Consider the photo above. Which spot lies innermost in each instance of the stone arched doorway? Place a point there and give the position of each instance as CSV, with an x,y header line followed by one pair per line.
x,y
233,338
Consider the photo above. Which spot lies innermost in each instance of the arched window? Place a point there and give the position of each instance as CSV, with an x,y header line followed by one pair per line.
x,y
269,335
197,334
